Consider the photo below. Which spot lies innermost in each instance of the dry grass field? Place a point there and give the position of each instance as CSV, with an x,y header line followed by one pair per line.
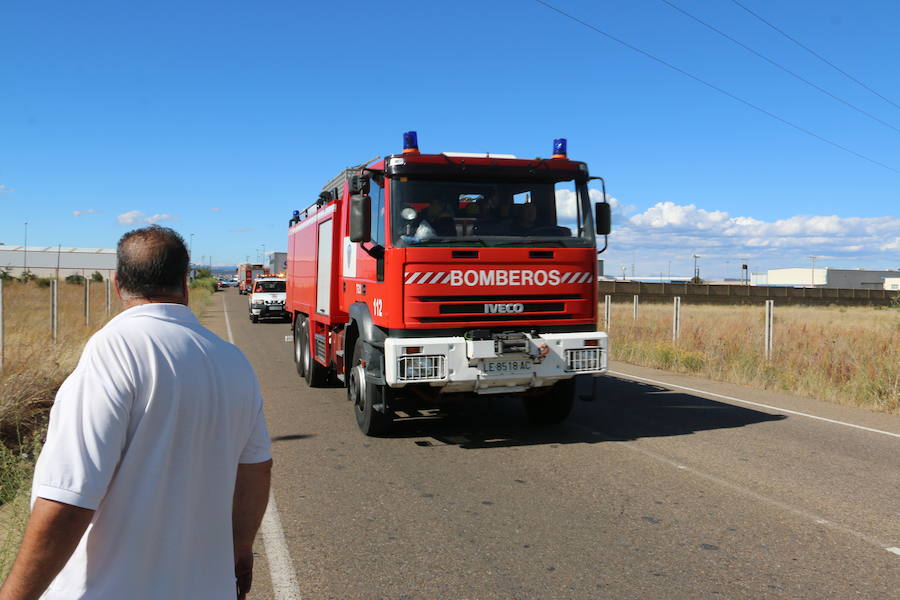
x,y
846,355
34,368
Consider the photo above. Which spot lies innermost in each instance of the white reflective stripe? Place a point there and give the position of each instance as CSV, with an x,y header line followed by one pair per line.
x,y
565,277
411,278
584,277
425,277
314,218
437,276
446,278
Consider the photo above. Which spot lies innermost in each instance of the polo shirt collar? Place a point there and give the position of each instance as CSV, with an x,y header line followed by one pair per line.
x,y
160,310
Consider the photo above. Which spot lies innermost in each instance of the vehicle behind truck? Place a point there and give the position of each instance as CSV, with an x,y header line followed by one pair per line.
x,y
246,274
420,279
267,298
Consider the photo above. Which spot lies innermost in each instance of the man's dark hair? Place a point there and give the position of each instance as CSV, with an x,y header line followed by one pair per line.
x,y
152,261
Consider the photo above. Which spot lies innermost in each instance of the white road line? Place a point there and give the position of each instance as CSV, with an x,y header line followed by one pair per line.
x,y
769,406
748,492
281,567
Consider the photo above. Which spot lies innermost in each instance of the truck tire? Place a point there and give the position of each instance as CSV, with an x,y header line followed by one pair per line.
x,y
316,375
553,405
299,332
254,319
363,396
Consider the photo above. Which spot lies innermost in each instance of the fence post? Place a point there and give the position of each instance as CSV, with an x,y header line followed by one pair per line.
x,y
108,298
87,302
1,326
54,309
636,301
607,310
676,319
770,322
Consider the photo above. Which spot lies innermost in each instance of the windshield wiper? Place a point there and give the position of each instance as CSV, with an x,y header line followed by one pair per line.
x,y
448,240
531,242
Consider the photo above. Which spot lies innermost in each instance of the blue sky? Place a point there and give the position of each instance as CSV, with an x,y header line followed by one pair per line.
x,y
220,118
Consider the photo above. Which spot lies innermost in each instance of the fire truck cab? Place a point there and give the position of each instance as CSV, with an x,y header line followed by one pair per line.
x,y
418,278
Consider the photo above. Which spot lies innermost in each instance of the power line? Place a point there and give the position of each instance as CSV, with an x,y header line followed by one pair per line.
x,y
819,56
718,89
782,67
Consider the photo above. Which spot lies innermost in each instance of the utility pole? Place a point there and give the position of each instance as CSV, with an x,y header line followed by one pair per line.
x,y
696,268
745,273
191,250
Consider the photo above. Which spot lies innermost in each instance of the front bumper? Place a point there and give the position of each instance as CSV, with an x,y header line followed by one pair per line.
x,y
456,364
263,311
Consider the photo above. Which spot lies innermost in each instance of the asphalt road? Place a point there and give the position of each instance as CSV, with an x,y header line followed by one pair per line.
x,y
645,492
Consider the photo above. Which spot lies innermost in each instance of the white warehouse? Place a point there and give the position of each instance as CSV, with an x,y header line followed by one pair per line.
x,y
57,261
830,278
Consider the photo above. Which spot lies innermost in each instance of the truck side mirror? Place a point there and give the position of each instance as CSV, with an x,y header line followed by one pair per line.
x,y
359,184
603,218
360,218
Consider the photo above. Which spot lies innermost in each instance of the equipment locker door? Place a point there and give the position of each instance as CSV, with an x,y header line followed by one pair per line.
x,y
323,269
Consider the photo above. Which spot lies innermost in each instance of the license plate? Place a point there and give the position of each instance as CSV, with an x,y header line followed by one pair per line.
x,y
276,307
505,367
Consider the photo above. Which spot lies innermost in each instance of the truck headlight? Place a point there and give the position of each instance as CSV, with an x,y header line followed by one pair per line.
x,y
422,368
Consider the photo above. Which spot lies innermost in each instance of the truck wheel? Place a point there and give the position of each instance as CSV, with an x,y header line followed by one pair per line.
x,y
363,396
254,319
553,405
299,332
316,375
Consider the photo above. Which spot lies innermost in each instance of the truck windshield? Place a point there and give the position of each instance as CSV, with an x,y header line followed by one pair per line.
x,y
269,286
436,213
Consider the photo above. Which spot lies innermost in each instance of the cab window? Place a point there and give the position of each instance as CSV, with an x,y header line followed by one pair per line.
x,y
376,193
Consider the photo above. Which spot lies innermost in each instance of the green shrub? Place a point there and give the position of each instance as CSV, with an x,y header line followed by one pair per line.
x,y
96,276
75,279
206,283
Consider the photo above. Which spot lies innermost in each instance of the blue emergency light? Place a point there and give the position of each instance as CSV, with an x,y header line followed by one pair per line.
x,y
559,148
410,143
296,214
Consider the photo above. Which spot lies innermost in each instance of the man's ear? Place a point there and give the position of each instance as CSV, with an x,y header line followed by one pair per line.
x,y
115,279
185,288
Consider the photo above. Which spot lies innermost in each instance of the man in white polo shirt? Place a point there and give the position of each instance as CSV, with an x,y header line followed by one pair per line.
x,y
155,475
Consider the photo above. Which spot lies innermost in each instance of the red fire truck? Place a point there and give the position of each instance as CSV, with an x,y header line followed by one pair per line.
x,y
246,273
418,278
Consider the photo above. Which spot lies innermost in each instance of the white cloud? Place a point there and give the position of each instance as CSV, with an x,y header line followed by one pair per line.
x,y
136,217
160,217
88,211
216,208
130,218
5,190
668,232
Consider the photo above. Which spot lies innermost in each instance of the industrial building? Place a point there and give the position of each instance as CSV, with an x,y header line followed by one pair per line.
x,y
278,262
847,279
57,261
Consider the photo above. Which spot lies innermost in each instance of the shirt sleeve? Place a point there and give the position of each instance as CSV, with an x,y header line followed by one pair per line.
x,y
88,430
258,447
